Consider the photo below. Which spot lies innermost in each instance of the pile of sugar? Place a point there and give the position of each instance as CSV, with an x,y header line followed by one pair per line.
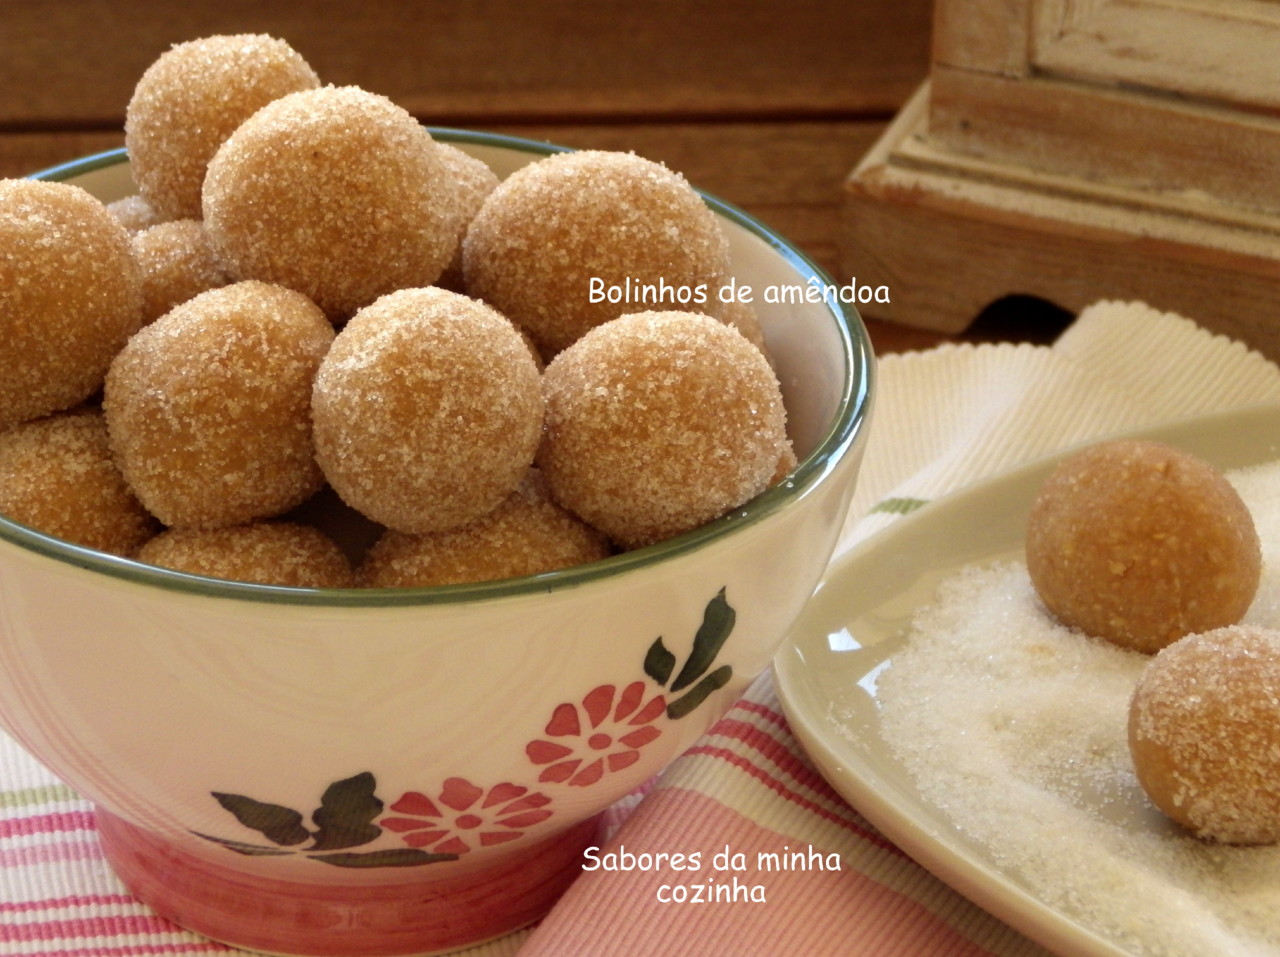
x,y
1015,728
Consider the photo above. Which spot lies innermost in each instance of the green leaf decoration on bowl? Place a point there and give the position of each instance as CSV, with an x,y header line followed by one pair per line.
x,y
345,815
279,825
712,682
343,820
392,857
718,620
602,733
659,663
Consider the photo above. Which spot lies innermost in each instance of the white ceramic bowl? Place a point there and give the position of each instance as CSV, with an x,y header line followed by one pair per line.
x,y
410,771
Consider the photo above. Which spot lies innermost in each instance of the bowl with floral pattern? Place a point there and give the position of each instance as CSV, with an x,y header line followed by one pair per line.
x,y
411,771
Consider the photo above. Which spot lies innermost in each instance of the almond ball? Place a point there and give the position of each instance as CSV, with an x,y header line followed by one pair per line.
x,y
177,264
658,422
1140,543
427,410
525,535
190,100
266,553
555,225
742,316
70,295
335,192
134,213
473,182
208,407
57,476
1204,733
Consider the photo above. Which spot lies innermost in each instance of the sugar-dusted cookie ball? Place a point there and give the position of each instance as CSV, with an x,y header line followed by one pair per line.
x,y
787,461
177,264
192,98
266,553
742,316
56,475
658,422
134,213
335,192
1204,733
427,410
473,182
70,295
208,406
1140,543
525,535
552,227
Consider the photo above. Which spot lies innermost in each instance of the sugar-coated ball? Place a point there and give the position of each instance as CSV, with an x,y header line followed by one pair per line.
x,y
527,534
190,99
742,316
1141,543
658,422
1204,733
265,553
554,226
336,192
427,410
208,407
57,476
134,213
177,264
70,295
473,181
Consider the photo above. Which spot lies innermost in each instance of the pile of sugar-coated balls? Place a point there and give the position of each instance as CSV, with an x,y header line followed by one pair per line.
x,y
1151,548
312,300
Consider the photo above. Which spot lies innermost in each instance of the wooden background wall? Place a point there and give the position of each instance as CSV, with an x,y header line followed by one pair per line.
x,y
767,104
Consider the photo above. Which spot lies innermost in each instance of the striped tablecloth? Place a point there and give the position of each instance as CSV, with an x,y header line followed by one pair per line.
x,y
945,418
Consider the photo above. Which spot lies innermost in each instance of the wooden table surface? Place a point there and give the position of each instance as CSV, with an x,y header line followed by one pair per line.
x,y
767,104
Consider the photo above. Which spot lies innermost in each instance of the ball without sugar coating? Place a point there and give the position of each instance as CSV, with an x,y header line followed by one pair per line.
x,y
70,295
553,226
191,99
208,406
56,475
1204,733
1140,543
427,410
525,535
267,553
658,422
335,192
176,265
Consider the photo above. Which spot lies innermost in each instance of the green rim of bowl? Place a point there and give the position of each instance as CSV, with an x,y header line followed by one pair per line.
x,y
839,439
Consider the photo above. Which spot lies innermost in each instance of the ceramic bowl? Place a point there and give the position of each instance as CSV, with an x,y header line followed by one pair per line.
x,y
351,772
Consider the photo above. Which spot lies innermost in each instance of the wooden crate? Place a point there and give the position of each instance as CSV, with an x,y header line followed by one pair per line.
x,y
1081,151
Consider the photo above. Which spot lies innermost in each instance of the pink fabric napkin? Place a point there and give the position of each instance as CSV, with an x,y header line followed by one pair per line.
x,y
785,866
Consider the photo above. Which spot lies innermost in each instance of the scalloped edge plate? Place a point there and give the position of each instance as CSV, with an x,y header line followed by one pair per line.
x,y
825,671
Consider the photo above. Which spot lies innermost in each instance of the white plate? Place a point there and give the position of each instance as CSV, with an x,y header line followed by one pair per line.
x,y
826,670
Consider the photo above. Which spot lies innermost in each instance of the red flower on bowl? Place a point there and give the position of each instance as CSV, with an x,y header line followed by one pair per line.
x,y
602,734
464,816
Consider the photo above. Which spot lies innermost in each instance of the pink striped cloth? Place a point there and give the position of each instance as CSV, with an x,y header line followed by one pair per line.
x,y
745,791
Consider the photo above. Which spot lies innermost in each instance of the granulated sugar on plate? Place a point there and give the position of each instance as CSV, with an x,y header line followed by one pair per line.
x,y
1015,728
